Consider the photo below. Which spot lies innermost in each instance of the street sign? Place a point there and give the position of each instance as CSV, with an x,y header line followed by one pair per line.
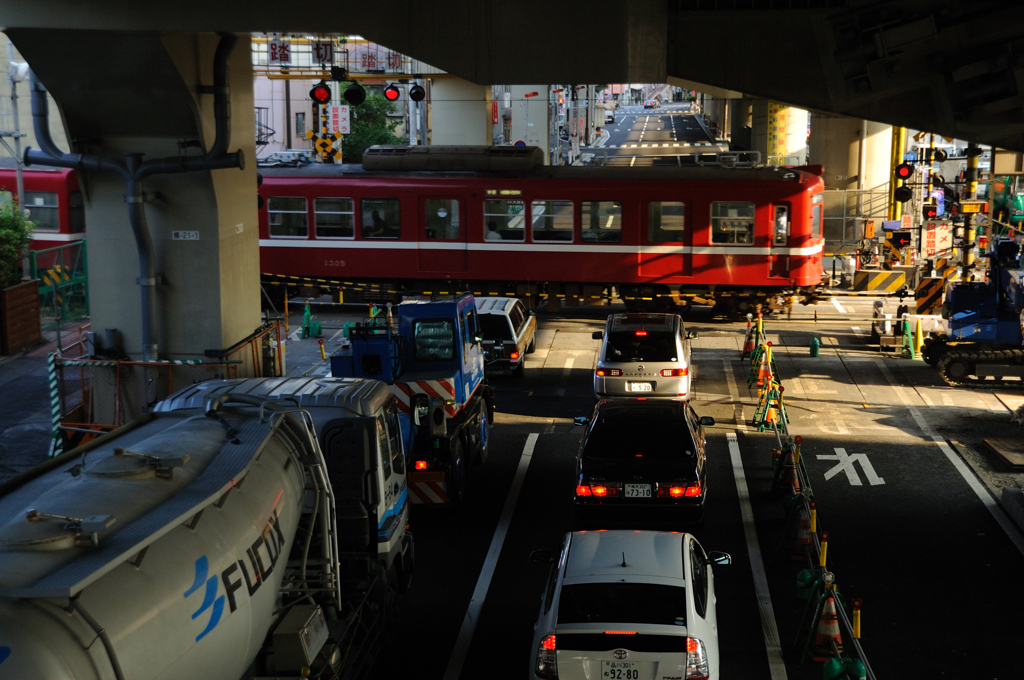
x,y
973,207
323,51
338,115
520,143
279,52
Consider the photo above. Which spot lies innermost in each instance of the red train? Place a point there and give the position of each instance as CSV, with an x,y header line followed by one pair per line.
x,y
53,199
495,220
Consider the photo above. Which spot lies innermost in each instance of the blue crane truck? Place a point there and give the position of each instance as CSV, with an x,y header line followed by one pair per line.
x,y
429,351
985,323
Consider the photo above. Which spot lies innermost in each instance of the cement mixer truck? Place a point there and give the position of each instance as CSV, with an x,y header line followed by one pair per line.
x,y
245,529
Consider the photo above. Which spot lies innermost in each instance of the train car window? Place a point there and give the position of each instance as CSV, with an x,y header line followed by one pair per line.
x,y
552,220
666,221
381,218
503,220
77,206
732,222
42,207
816,221
601,222
442,218
334,217
287,216
434,340
780,235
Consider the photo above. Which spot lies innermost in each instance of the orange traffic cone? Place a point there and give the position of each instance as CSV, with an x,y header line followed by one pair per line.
x,y
828,631
764,370
803,534
748,342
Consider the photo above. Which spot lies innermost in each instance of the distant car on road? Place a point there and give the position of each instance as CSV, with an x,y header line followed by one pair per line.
x,y
652,104
628,605
641,463
509,333
644,355
609,116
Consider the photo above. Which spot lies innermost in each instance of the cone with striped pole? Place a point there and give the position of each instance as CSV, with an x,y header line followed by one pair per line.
x,y
827,633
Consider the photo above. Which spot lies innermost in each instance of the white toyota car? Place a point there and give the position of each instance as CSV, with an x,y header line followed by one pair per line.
x,y
627,605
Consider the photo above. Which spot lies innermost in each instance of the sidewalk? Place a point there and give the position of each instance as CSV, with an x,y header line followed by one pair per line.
x,y
25,427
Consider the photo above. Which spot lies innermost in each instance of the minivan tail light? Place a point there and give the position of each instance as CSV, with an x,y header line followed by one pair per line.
x,y
547,661
674,372
696,660
611,372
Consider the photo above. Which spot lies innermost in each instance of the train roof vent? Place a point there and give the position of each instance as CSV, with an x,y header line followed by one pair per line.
x,y
454,158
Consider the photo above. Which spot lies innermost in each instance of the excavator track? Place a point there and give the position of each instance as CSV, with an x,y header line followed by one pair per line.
x,y
966,367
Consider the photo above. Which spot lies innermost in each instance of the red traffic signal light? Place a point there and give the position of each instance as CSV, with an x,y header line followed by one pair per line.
x,y
904,171
321,93
417,93
391,93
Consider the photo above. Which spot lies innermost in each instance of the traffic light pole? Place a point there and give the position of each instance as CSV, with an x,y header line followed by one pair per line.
x,y
968,231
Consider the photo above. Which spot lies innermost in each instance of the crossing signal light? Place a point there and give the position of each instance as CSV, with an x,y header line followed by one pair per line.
x,y
417,93
904,171
930,211
391,93
903,194
321,93
355,94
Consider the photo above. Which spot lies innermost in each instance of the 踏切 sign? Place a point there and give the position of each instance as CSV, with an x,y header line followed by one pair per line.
x,y
323,51
279,52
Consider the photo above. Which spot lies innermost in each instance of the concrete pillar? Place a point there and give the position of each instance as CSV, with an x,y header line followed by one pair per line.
x,y
460,112
203,224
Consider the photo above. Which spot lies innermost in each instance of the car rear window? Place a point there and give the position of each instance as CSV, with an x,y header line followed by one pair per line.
x,y
652,441
628,346
623,603
495,327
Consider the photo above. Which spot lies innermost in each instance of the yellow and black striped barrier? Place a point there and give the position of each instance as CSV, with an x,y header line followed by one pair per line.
x,y
929,295
869,279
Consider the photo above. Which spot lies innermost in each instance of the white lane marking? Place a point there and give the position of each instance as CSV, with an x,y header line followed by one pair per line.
x,y
776,666
565,376
1012,532
838,306
737,411
476,603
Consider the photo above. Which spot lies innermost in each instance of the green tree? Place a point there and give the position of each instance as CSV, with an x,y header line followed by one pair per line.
x,y
370,125
14,231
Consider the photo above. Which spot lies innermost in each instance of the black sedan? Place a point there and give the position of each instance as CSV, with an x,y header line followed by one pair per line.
x,y
641,463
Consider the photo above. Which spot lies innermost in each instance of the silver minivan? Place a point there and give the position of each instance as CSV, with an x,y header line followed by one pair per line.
x,y
644,355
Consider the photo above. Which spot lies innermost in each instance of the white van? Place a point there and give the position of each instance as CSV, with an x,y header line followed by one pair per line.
x,y
509,333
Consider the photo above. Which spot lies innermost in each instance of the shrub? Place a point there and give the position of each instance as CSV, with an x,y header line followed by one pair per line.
x,y
14,231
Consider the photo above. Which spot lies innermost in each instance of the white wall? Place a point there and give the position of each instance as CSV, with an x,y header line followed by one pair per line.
x,y
460,112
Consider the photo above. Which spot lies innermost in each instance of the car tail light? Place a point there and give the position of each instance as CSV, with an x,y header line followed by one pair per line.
x,y
696,660
547,663
641,334
514,356
612,372
620,632
599,490
679,490
421,465
675,372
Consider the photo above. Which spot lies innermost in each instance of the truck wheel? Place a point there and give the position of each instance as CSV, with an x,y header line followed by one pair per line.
x,y
517,372
457,475
533,346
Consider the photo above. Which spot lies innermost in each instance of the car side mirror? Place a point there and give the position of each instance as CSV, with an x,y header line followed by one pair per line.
x,y
691,335
707,420
530,312
544,555
597,335
719,558
580,420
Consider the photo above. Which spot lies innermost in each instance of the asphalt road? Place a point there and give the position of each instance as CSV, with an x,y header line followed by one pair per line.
x,y
660,136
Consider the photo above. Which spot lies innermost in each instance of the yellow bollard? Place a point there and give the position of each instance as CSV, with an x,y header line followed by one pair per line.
x,y
813,505
760,326
798,440
918,338
286,310
323,354
824,549
857,603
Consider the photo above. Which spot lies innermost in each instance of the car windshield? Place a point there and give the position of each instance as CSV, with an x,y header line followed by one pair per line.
x,y
495,327
623,603
652,346
638,439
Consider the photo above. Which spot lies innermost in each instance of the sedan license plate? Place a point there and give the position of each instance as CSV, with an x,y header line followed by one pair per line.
x,y
620,670
638,491
640,387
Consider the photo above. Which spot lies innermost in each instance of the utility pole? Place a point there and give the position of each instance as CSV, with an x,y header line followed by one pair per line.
x,y
16,73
